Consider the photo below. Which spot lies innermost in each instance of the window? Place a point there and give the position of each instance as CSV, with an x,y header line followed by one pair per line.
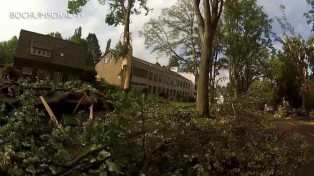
x,y
159,90
160,78
154,89
40,52
155,77
139,72
149,89
150,77
47,53
42,74
57,77
27,71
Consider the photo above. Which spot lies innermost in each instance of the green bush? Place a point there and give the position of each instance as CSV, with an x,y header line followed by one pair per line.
x,y
311,115
150,136
90,75
11,73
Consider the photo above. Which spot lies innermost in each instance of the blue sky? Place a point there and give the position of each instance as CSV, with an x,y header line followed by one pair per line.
x,y
93,20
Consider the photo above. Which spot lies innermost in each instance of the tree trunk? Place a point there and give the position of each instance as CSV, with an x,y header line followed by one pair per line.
x,y
127,48
207,25
203,82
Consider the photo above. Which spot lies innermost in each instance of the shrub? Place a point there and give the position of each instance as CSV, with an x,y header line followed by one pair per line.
x,y
90,75
152,137
311,115
104,86
11,73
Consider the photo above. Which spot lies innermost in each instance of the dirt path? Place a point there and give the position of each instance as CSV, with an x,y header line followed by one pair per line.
x,y
304,128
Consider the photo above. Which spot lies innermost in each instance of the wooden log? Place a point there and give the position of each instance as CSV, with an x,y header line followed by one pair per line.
x,y
91,112
78,104
52,116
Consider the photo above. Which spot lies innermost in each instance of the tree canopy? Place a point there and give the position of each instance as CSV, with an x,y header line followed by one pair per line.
x,y
7,50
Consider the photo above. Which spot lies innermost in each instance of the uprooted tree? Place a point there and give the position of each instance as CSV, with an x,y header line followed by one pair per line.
x,y
120,12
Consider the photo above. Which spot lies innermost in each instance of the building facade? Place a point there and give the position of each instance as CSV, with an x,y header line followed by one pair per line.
x,y
156,79
188,75
44,56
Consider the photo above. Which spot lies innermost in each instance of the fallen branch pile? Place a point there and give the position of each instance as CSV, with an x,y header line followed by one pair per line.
x,y
59,98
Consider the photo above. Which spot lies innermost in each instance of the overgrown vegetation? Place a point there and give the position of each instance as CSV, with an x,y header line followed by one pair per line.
x,y
147,135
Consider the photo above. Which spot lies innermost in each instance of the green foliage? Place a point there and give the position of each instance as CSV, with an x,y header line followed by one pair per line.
x,y
311,115
246,31
93,47
295,59
55,34
310,14
148,135
104,86
117,12
7,49
174,34
263,91
90,75
11,73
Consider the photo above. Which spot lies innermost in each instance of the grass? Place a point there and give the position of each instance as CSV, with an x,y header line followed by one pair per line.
x,y
183,104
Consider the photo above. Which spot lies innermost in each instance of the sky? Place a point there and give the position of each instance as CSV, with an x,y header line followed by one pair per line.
x,y
92,20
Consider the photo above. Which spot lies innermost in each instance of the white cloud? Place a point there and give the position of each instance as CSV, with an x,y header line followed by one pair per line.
x,y
294,10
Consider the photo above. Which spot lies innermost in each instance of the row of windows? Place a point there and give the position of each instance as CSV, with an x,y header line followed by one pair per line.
x,y
158,90
40,52
171,92
139,72
43,74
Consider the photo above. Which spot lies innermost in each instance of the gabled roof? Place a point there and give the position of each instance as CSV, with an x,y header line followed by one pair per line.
x,y
64,52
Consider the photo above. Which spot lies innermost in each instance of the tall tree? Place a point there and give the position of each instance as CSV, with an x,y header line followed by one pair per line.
x,y
174,34
93,46
55,34
246,38
77,38
7,49
300,53
208,15
119,13
108,45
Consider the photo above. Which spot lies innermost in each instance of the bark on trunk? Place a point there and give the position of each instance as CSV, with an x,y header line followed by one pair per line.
x,y
127,48
207,25
203,82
